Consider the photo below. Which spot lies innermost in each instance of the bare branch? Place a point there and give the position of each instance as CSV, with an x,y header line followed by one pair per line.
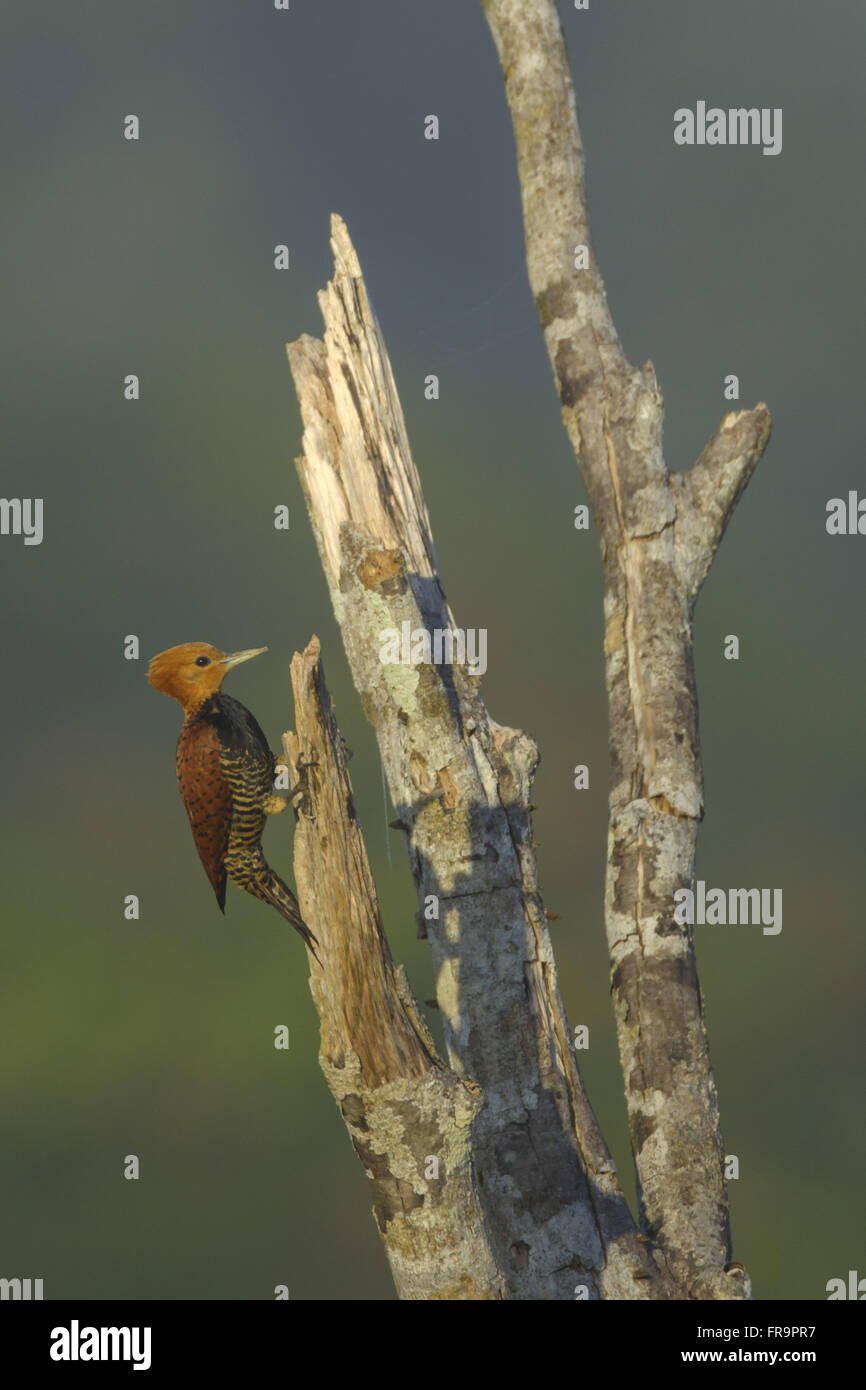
x,y
541,97
709,493
658,534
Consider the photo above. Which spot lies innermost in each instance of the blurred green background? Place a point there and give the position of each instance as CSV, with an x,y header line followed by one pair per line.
x,y
156,1037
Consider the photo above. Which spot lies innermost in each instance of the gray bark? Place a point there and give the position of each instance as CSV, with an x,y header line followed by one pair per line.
x,y
659,531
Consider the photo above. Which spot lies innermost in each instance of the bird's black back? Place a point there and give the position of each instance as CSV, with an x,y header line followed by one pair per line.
x,y
237,729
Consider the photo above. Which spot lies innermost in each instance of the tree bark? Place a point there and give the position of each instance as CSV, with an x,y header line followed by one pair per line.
x,y
659,531
555,1215
401,1106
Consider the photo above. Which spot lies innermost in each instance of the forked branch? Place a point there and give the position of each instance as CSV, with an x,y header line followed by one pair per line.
x,y
659,532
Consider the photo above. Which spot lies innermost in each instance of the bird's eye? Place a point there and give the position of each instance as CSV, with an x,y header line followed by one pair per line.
x,y
202,661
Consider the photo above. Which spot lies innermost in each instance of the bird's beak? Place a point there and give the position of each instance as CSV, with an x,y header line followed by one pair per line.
x,y
236,658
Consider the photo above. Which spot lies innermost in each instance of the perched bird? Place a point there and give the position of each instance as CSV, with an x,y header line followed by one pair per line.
x,y
225,771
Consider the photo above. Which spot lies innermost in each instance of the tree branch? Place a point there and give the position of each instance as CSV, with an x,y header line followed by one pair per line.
x,y
659,533
709,493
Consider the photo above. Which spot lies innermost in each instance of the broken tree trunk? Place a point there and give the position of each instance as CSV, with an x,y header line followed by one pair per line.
x,y
409,1117
553,1210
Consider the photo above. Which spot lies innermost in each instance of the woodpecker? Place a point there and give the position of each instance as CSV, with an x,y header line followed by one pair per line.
x,y
225,771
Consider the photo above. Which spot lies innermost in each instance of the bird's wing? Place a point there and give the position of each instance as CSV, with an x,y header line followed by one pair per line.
x,y
247,761
207,798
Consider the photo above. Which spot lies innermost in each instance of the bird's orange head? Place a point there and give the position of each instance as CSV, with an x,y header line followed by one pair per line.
x,y
194,671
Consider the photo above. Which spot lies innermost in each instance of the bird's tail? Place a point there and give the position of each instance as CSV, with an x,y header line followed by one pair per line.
x,y
269,888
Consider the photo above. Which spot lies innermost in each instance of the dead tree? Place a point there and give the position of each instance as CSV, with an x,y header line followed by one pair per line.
x,y
489,1174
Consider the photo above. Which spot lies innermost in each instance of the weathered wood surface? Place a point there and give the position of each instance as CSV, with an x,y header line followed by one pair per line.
x,y
401,1106
461,785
